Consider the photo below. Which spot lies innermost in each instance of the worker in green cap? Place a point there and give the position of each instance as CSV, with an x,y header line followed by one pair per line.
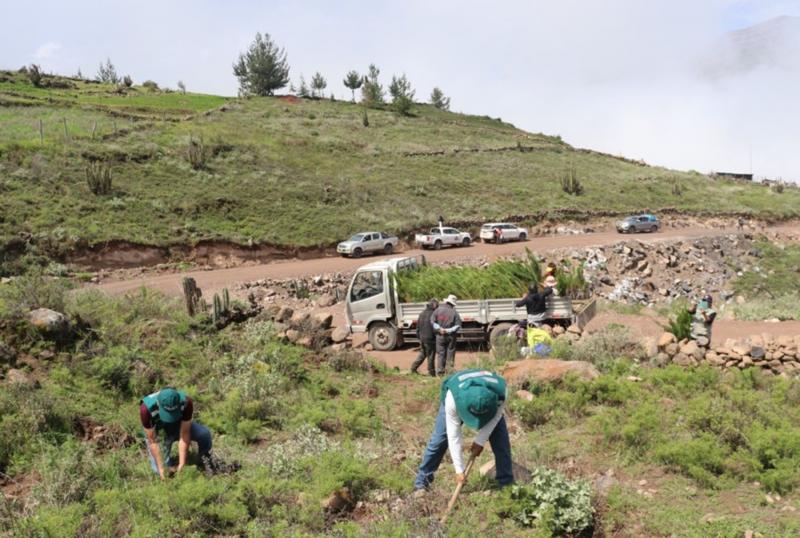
x,y
475,398
170,411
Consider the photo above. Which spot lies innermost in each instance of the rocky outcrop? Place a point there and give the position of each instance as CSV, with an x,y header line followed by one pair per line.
x,y
51,324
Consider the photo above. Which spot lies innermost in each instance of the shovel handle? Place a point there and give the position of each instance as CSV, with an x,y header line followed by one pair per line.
x,y
457,491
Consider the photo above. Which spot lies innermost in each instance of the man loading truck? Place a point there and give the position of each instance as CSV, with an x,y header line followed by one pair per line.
x,y
703,317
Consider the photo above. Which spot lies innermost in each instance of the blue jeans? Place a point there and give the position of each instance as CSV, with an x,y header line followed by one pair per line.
x,y
197,433
437,446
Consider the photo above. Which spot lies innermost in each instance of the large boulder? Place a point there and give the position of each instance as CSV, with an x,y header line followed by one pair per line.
x,y
546,370
299,318
50,323
521,474
665,339
322,320
691,349
18,377
284,314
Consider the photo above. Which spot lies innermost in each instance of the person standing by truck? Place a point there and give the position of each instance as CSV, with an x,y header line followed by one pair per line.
x,y
427,339
703,317
446,323
535,303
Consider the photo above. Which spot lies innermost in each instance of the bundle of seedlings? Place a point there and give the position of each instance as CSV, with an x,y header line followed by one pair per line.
x,y
501,279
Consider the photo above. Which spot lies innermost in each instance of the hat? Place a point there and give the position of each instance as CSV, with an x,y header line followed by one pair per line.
x,y
476,405
708,299
169,405
450,299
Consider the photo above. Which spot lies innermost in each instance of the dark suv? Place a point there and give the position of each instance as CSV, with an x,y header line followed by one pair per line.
x,y
638,223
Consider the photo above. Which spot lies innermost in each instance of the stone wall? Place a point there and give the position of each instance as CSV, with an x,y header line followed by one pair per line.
x,y
773,355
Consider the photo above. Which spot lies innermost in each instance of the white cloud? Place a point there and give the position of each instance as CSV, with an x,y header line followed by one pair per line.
x,y
47,50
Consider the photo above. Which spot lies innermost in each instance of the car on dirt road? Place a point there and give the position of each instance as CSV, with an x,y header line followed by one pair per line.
x,y
367,243
500,232
440,237
638,223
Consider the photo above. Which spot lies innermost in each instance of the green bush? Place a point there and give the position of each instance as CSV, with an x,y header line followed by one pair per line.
x,y
681,325
31,291
551,503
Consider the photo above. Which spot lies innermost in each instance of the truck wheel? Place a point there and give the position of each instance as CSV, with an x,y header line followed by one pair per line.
x,y
357,252
387,249
437,245
653,229
465,242
382,336
501,329
523,237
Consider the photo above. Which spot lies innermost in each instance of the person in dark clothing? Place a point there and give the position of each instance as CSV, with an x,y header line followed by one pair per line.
x,y
535,303
427,339
446,324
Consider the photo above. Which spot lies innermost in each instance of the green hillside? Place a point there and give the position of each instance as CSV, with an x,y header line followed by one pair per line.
x,y
298,172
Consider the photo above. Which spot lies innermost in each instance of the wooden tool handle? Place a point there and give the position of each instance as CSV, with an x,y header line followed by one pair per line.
x,y
460,485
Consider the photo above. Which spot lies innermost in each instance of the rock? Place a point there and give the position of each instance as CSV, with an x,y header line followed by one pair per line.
x,y
339,334
337,501
740,300
368,347
322,320
713,359
284,314
341,346
49,322
682,359
693,350
757,352
740,349
574,329
672,349
546,370
524,395
663,292
305,341
649,346
299,318
557,330
661,360
521,474
326,301
7,354
293,335
665,339
18,377
703,342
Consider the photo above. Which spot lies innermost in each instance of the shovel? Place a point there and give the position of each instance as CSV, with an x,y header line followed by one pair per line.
x,y
458,490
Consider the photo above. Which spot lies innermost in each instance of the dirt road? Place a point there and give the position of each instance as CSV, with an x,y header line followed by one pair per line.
x,y
215,280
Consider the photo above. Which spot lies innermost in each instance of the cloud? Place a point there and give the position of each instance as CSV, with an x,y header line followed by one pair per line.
x,y
47,50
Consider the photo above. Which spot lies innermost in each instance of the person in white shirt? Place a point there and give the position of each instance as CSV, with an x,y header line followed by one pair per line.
x,y
475,398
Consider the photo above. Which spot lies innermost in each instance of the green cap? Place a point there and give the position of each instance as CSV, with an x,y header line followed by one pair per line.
x,y
169,405
476,405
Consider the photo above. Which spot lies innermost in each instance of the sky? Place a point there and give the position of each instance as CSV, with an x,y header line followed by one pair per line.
x,y
619,76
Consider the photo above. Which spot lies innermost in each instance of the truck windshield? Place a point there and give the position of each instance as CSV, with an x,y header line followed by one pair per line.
x,y
356,238
366,284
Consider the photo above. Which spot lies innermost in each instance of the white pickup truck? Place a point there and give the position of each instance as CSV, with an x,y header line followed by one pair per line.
x,y
443,237
373,307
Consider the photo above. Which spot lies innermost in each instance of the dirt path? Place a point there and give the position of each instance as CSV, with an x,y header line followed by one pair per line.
x,y
215,280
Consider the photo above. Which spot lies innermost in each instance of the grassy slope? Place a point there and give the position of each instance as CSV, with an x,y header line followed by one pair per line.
x,y
697,437
300,174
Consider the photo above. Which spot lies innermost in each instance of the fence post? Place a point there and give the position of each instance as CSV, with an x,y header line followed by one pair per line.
x,y
66,133
115,126
41,132
94,128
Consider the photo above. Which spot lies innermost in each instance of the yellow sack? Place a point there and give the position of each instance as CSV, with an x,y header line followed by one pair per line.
x,y
538,336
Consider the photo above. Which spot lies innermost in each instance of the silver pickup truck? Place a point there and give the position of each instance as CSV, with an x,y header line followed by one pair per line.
x,y
443,237
373,307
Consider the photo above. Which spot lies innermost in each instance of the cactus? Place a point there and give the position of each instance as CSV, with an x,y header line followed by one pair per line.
x,y
196,153
217,312
570,182
677,188
191,296
226,301
98,177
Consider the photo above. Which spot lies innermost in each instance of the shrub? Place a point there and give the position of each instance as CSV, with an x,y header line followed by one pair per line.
x,y
98,177
150,85
127,81
31,291
604,348
35,75
284,458
551,503
681,324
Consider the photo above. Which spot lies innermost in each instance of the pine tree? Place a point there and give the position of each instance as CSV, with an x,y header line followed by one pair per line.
x,y
371,89
107,73
439,100
353,81
402,94
303,90
318,84
263,68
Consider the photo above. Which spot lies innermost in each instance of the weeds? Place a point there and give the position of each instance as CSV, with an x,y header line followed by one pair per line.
x,y
98,177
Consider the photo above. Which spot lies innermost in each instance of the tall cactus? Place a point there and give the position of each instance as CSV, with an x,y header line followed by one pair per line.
x,y
226,301
217,312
